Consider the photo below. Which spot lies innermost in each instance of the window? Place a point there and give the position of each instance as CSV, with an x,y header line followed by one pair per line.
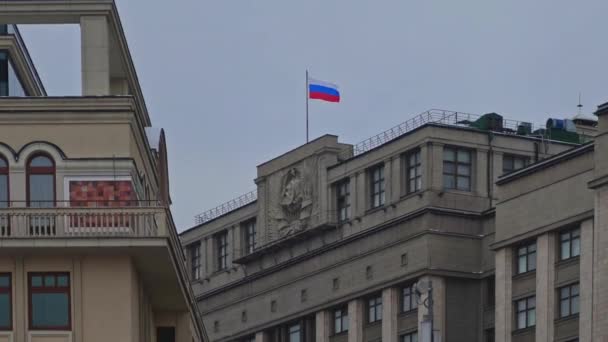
x,y
570,244
568,300
221,245
340,320
411,337
195,260
526,312
295,333
49,301
374,306
4,198
457,168
511,163
249,230
408,299
343,199
413,172
6,309
377,186
526,258
40,182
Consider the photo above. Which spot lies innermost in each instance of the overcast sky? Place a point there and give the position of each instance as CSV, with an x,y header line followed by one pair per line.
x,y
225,78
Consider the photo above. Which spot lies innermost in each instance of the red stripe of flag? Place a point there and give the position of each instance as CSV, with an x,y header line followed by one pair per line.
x,y
324,97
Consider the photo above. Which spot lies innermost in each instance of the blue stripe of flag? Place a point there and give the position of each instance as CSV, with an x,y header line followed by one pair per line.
x,y
314,88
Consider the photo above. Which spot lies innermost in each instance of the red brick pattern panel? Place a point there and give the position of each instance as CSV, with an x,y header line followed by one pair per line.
x,y
102,193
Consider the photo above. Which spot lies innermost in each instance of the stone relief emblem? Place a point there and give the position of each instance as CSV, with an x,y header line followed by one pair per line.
x,y
295,205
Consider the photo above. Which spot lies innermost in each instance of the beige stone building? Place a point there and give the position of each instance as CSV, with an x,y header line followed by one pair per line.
x,y
341,243
88,248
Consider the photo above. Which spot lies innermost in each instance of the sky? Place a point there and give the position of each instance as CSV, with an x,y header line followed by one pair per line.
x,y
226,78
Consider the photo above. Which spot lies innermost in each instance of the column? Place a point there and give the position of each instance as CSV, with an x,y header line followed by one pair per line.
x,y
95,49
436,167
425,166
438,284
545,287
479,179
356,319
388,180
362,193
586,282
261,337
390,310
503,314
322,326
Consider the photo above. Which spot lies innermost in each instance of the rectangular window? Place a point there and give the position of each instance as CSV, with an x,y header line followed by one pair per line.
x,y
526,258
195,260
221,250
343,199
409,301
6,308
411,337
49,301
413,172
250,236
511,163
374,306
377,186
570,244
340,320
295,333
457,168
569,300
525,310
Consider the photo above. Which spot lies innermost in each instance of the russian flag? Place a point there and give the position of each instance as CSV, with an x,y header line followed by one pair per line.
x,y
325,91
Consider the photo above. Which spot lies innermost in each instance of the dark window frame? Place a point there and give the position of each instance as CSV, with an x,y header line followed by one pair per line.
x,y
343,206
527,255
40,170
194,249
341,315
8,290
49,289
377,186
4,171
374,302
250,235
570,237
221,247
456,163
408,296
413,171
299,331
409,337
512,158
569,298
526,311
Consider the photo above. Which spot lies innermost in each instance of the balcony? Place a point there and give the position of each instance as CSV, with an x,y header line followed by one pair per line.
x,y
47,220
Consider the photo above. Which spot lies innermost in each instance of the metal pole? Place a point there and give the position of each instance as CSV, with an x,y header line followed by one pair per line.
x,y
307,95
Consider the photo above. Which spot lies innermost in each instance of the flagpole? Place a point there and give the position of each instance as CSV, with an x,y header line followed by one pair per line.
x,y
307,96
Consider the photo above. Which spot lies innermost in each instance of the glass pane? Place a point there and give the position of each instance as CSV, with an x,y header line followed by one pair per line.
x,y
522,265
3,163
521,305
518,163
564,308
574,309
41,161
521,320
565,250
419,183
464,170
379,311
36,281
345,322
576,247
464,156
414,337
62,281
449,168
531,302
532,317
564,293
3,191
576,233
50,310
49,281
532,262
464,183
449,182
574,290
42,191
4,281
449,154
5,310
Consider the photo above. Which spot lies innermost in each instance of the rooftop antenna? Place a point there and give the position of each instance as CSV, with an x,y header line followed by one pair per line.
x,y
580,105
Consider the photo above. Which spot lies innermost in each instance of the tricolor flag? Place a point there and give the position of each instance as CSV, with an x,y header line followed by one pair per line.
x,y
321,90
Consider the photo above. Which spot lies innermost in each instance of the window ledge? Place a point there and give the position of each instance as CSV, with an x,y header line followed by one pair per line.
x,y
373,210
408,313
341,333
524,330
525,275
371,324
562,320
417,193
569,261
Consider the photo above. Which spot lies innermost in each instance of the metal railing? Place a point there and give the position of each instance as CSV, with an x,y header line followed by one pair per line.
x,y
227,207
434,116
82,221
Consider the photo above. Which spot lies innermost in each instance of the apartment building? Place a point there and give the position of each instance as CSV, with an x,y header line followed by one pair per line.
x,y
88,248
551,247
342,242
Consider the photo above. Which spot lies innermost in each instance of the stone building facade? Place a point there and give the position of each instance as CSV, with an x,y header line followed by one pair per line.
x,y
331,247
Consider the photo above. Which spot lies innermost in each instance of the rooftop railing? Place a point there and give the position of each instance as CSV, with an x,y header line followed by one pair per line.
x,y
227,207
82,219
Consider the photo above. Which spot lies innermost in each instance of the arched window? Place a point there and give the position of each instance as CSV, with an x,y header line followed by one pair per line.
x,y
41,181
3,182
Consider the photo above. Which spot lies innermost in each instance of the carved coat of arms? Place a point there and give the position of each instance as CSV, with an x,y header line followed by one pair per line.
x,y
295,204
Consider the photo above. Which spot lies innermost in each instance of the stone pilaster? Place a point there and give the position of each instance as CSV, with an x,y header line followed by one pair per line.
x,y
261,337
322,326
95,49
390,310
504,308
586,282
545,287
438,284
356,320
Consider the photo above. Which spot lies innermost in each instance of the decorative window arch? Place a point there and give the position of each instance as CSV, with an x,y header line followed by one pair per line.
x,y
41,191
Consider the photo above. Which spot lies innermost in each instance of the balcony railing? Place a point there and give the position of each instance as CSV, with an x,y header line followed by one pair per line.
x,y
82,219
